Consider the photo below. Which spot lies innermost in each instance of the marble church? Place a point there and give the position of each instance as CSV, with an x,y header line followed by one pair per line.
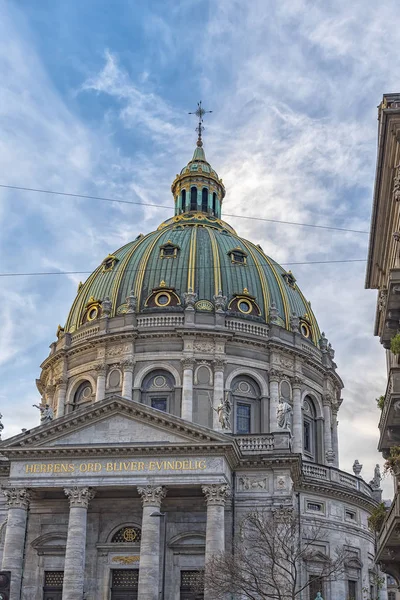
x,y
189,385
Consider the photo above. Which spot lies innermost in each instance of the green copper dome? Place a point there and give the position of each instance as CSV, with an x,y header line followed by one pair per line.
x,y
194,252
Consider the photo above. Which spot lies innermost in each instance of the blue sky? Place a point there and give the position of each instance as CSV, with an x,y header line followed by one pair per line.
x,y
94,99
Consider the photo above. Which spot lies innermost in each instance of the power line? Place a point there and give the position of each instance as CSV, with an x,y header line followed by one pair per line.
x,y
312,262
102,199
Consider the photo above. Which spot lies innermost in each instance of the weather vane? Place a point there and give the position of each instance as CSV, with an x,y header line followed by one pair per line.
x,y
200,112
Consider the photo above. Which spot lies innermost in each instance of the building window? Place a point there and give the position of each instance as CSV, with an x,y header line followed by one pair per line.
x,y
193,198
183,200
214,204
169,250
158,390
191,584
204,200
352,589
309,427
391,595
124,583
82,395
315,585
350,515
238,257
159,404
314,506
53,584
243,418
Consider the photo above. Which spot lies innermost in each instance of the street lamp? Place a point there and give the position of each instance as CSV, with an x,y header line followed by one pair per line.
x,y
163,516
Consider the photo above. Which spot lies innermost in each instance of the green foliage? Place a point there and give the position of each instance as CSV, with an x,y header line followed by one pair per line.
x,y
380,402
395,344
375,521
392,464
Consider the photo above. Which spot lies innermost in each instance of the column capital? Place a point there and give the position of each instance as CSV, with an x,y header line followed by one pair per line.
x,y
79,496
51,388
152,495
127,364
219,364
327,399
101,369
17,497
275,375
188,362
216,493
61,381
296,382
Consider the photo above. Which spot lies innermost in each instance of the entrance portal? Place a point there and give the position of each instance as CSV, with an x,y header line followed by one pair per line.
x,y
124,584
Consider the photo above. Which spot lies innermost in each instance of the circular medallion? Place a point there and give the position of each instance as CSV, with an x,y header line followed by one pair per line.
x,y
129,535
244,387
86,392
159,381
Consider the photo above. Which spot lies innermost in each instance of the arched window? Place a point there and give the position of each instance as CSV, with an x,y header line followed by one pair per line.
x,y
193,198
214,204
127,535
204,200
183,200
158,391
309,428
82,395
246,405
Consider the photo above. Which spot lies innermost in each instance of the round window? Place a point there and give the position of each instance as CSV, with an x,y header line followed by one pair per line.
x,y
305,330
244,387
244,306
163,299
92,314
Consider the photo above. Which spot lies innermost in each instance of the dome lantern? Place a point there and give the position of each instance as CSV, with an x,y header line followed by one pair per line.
x,y
198,188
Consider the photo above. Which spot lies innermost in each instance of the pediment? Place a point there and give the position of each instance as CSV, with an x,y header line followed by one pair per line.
x,y
112,422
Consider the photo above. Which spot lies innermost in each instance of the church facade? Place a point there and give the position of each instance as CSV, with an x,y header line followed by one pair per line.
x,y
190,385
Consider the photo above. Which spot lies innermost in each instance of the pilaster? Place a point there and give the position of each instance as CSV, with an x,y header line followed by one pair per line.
x,y
216,497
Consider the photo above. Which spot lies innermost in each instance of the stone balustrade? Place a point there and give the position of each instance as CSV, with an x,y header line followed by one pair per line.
x,y
161,321
333,475
260,443
243,327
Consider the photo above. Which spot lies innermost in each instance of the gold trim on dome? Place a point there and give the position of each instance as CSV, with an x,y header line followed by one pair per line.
x,y
192,260
208,220
109,263
142,266
122,267
262,276
216,261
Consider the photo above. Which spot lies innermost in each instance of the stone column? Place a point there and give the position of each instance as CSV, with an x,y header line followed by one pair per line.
x,y
149,569
187,389
218,392
297,416
101,382
326,401
274,379
335,441
127,383
13,556
216,495
61,392
74,566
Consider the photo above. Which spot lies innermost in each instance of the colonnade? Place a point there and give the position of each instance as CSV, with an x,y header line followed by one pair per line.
x,y
18,500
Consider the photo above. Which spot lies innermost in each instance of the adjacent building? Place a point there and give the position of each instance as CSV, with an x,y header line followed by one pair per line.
x,y
383,274
189,385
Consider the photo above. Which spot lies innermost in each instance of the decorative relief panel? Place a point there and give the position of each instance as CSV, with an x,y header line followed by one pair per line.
x,y
204,345
252,483
119,350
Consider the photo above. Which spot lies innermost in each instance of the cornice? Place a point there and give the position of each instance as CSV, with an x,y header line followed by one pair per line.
x,y
337,491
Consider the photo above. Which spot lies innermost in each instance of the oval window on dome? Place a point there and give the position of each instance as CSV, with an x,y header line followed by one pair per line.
x,y
245,306
305,329
162,299
93,313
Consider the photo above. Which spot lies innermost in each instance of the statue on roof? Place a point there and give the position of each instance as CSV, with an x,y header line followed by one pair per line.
x,y
46,413
1,425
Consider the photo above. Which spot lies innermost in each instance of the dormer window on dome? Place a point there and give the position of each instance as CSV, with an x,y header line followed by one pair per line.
x,y
169,250
109,263
92,310
238,256
244,304
163,297
305,327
